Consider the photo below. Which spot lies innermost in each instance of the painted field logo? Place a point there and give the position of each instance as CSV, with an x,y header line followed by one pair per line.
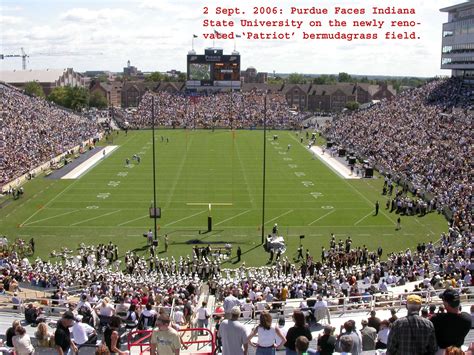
x,y
307,183
122,173
316,194
113,183
300,174
103,195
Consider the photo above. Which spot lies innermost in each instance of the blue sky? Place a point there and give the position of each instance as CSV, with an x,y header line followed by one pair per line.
x,y
156,35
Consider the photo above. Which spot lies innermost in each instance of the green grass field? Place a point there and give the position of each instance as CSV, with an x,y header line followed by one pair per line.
x,y
110,202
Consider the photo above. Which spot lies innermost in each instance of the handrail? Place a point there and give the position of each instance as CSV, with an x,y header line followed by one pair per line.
x,y
145,335
368,302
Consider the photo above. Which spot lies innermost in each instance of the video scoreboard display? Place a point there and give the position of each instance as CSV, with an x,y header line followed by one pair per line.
x,y
213,70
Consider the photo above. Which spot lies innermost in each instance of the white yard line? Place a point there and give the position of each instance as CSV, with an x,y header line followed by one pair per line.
x,y
132,220
91,219
182,219
324,215
245,175
283,214
45,219
84,167
228,219
178,174
54,198
360,220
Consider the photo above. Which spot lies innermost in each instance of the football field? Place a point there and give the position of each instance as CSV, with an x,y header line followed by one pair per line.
x,y
111,201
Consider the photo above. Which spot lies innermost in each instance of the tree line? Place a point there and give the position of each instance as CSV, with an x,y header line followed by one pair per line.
x,y
72,97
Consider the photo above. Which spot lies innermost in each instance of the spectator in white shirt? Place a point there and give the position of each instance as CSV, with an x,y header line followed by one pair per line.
x,y
203,316
83,333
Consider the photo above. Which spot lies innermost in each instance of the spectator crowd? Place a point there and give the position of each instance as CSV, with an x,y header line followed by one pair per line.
x,y
418,138
236,110
34,131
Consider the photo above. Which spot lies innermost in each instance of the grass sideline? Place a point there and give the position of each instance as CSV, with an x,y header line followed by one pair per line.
x,y
110,202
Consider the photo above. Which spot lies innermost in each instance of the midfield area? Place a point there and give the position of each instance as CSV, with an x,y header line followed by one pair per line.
x,y
222,168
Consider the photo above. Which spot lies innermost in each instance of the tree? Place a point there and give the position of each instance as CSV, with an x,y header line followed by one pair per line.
x,y
344,78
58,95
352,105
296,78
325,80
77,98
276,80
182,77
97,99
74,98
155,76
35,89
103,78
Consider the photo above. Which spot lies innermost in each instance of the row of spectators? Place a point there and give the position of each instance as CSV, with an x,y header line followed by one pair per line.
x,y
35,131
236,110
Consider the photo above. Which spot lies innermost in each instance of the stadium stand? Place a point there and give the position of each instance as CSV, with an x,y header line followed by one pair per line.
x,y
35,131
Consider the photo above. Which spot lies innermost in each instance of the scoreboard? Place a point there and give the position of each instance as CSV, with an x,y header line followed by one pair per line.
x,y
213,70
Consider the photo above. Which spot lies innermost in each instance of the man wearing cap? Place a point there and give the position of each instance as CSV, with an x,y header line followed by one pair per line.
x,y
412,334
164,339
451,327
233,335
62,336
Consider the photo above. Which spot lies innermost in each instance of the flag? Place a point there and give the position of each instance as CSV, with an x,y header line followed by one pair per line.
x,y
238,36
195,36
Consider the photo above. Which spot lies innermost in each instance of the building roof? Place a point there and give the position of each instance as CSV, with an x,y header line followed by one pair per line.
x,y
303,87
453,8
25,76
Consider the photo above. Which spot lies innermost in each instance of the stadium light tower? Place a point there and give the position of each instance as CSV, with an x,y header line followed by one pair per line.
x,y
155,213
264,163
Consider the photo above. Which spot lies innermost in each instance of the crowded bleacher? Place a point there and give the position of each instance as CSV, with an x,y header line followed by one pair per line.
x,y
237,110
35,131
418,138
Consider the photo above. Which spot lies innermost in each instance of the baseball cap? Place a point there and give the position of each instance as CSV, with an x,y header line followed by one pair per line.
x,y
451,297
235,311
414,299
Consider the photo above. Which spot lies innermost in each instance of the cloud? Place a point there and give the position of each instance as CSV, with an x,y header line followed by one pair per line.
x,y
10,8
10,20
82,15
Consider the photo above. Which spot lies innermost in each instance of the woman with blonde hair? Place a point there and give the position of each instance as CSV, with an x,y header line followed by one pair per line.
x,y
42,336
269,337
